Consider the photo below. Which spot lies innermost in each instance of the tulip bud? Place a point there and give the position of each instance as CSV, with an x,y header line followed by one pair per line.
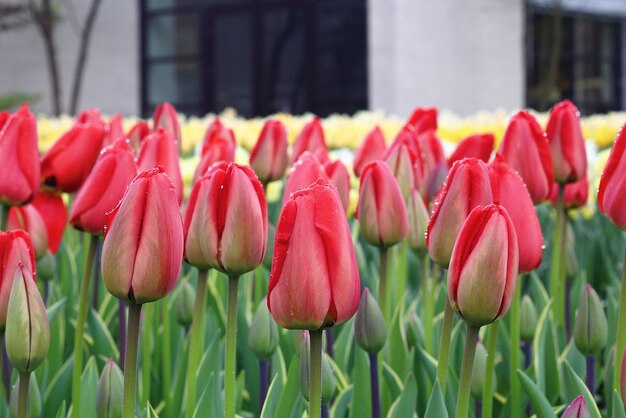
x,y
27,329
137,134
160,149
328,377
418,221
435,164
404,158
269,253
217,131
15,248
479,370
613,181
165,117
467,187
68,163
28,219
113,130
184,304
19,153
263,333
47,267
575,194
311,139
571,258
33,407
528,319
567,144
338,175
226,220
372,148
314,282
304,172
269,158
370,330
525,148
423,119
381,210
484,265
414,329
103,189
591,328
54,213
577,409
110,392
219,145
144,227
477,146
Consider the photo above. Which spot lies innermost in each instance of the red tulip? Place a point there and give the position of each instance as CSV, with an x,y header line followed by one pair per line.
x,y
381,211
423,119
305,171
474,146
113,130
54,213
467,186
338,175
269,158
435,164
613,182
137,134
567,144
226,220
314,282
143,244
159,149
68,163
28,219
4,117
509,191
104,188
371,149
165,117
575,194
15,249
19,158
577,409
418,221
311,139
90,116
217,131
405,160
219,145
483,268
526,149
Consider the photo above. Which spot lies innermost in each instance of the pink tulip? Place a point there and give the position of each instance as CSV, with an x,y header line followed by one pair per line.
x,y
371,149
567,144
311,139
269,158
159,149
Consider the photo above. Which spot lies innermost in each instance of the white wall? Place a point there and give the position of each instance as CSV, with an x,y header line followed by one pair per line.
x,y
112,74
460,55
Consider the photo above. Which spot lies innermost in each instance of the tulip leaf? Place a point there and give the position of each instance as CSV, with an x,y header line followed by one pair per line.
x,y
210,402
575,386
361,401
54,309
436,407
394,383
61,412
618,406
342,402
290,394
60,387
89,387
103,342
541,406
405,405
544,355
271,400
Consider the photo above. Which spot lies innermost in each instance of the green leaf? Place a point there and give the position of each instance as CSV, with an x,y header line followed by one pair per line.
x,y
273,395
574,387
394,384
404,406
89,386
361,401
60,387
541,406
291,390
103,342
54,309
210,403
618,406
342,402
61,412
436,407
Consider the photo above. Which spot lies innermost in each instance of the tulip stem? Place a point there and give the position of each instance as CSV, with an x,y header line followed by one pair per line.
x,y
263,381
591,374
375,391
83,306
515,396
487,406
427,298
315,375
382,283
558,261
147,351
231,348
22,395
463,399
444,345
621,331
121,318
130,362
4,221
196,341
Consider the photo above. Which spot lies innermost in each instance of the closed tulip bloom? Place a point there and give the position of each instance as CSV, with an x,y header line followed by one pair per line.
x,y
91,116
575,194
567,144
405,160
525,148
372,148
29,219
577,409
52,209
145,227
137,134
381,210
104,188
591,329
68,163
314,282
110,391
305,171
528,319
477,146
311,139
113,130
159,149
431,151
263,336
613,181
165,117
4,117
418,221
19,158
338,175
217,130
484,266
226,220
466,187
15,248
219,145
423,119
370,330
509,191
269,158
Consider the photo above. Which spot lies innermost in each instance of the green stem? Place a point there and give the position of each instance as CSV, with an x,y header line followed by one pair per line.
x,y
4,220
515,396
130,362
231,348
196,341
147,353
428,304
315,375
22,395
621,331
382,283
444,345
557,285
462,403
83,305
167,356
489,369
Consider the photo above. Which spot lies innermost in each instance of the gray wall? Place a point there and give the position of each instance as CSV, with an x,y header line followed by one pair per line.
x,y
111,80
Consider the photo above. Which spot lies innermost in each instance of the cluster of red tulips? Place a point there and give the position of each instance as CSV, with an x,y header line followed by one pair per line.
x,y
472,214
